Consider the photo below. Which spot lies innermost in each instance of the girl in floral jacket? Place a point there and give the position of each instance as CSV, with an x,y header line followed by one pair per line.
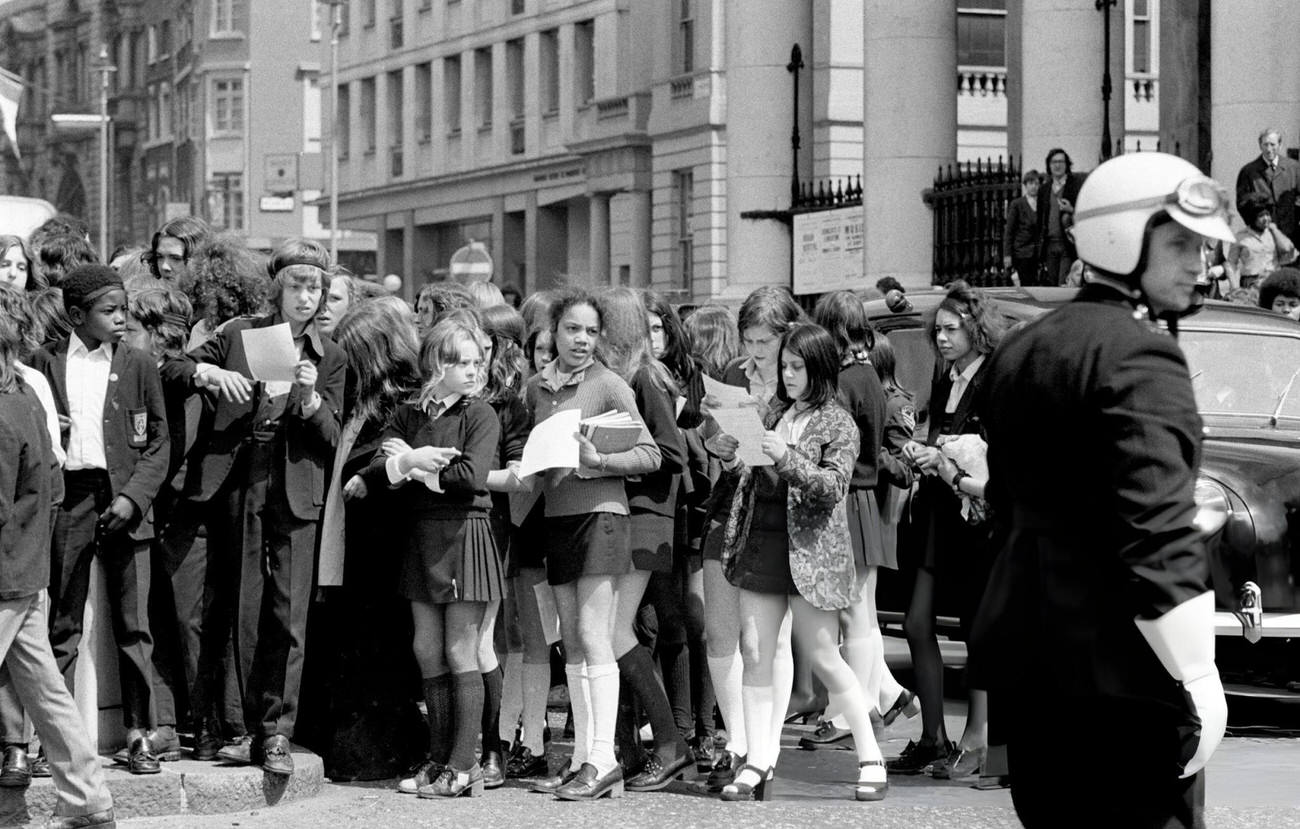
x,y
787,545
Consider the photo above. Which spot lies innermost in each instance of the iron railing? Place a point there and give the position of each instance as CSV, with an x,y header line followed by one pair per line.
x,y
969,206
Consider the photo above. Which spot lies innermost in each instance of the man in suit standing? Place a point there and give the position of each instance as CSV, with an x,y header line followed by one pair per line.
x,y
1056,251
1275,177
1020,238
1099,603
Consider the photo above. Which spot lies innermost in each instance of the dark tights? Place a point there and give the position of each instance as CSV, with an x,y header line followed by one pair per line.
x,y
927,661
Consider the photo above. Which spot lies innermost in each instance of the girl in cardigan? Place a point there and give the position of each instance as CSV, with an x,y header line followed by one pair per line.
x,y
437,452
787,547
587,541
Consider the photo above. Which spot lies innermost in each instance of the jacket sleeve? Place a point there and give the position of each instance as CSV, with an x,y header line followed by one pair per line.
x,y
658,409
151,467
514,428
402,425
214,352
900,420
322,427
1149,439
824,481
468,473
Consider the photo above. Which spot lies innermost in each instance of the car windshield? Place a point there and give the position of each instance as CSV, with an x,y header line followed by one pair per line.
x,y
1244,373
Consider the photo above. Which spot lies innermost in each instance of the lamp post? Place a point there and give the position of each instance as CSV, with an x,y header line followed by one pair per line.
x,y
336,21
81,122
1104,7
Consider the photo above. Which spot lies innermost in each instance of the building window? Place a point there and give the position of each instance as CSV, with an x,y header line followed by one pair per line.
x,y
227,15
684,209
584,61
982,33
550,48
184,94
686,37
1141,36
151,35
165,38
451,93
226,201
395,34
164,109
151,112
343,121
228,106
393,97
311,114
345,17
483,88
423,101
517,6
368,13
367,118
515,73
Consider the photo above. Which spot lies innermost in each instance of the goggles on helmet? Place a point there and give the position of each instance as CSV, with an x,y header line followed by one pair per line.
x,y
1197,196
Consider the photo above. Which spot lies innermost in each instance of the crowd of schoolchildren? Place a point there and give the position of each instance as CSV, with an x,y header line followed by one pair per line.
x,y
358,540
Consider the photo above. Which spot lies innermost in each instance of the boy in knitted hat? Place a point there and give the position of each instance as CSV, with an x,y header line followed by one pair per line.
x,y
110,404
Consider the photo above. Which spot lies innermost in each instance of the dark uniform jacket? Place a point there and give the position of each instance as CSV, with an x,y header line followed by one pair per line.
x,y
1094,442
1281,187
1070,192
136,440
27,470
309,441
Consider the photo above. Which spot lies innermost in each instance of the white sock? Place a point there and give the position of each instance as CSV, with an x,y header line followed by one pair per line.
x,y
603,681
535,688
580,699
857,713
726,672
862,660
782,685
512,696
758,723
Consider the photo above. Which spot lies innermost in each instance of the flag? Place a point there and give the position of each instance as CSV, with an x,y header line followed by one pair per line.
x,y
11,90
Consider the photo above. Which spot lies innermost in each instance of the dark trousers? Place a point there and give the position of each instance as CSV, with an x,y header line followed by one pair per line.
x,y
1130,747
1027,269
77,539
1056,263
264,557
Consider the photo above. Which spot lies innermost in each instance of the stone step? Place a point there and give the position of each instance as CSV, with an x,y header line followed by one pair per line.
x,y
182,787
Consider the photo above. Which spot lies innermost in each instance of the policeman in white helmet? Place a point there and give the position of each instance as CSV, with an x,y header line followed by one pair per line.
x,y
1096,635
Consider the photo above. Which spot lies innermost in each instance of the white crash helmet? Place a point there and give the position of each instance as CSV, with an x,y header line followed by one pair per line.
x,y
1120,197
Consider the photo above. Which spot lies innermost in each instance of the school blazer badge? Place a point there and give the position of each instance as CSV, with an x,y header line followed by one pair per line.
x,y
140,424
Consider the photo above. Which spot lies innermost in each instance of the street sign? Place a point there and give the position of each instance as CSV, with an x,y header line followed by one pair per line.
x,y
472,263
828,250
280,173
276,204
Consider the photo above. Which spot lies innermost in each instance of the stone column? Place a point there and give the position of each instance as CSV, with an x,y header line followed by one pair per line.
x,y
910,107
598,239
1054,73
759,117
641,238
1249,94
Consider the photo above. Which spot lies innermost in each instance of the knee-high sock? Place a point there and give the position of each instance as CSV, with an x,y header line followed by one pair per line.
x,y
467,690
854,707
637,671
675,663
491,718
536,689
862,660
758,706
580,699
782,683
726,672
512,697
438,700
603,683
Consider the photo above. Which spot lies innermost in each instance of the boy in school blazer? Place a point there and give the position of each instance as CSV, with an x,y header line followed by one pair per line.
x,y
264,456
117,444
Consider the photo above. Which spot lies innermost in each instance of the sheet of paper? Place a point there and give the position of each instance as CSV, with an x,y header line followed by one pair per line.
x,y
744,425
522,503
271,353
724,396
552,444
546,610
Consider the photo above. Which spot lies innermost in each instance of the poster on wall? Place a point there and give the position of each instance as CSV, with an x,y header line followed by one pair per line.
x,y
828,251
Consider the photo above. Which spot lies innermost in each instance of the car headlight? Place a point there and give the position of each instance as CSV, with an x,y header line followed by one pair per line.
x,y
1212,506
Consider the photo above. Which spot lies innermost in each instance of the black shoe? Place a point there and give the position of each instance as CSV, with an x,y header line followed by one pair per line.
x,y
421,774
907,704
523,764
918,756
207,742
552,784
702,752
275,755
141,758
15,772
41,765
656,774
98,820
238,753
587,785
494,776
724,771
734,791
825,736
453,783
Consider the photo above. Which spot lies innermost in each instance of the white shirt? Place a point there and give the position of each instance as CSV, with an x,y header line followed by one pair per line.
x,y
433,482
87,385
960,380
41,388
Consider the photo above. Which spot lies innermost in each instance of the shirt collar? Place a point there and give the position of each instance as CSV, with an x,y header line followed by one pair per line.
x,y
311,334
556,379
969,373
445,403
76,346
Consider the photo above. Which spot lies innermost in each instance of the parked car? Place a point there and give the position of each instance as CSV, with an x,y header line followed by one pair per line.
x,y
1245,369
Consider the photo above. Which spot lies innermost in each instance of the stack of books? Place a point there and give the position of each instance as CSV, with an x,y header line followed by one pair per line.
x,y
611,432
